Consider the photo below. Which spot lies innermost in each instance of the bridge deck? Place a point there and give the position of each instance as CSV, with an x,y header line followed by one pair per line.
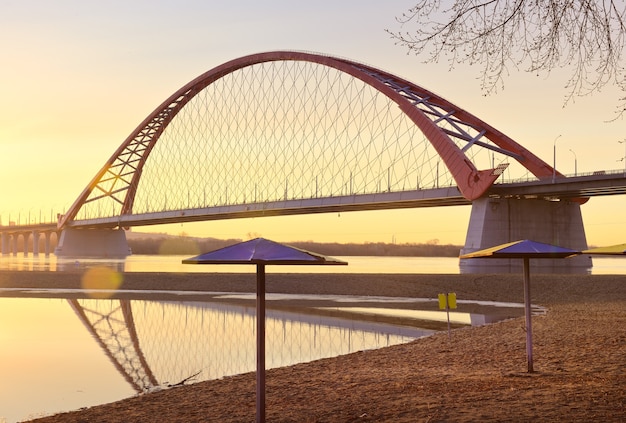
x,y
589,185
390,200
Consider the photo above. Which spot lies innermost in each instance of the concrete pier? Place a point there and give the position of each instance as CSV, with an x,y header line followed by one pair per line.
x,y
92,243
495,221
4,242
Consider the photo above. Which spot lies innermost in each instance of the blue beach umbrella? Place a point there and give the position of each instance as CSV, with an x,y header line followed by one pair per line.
x,y
524,249
262,252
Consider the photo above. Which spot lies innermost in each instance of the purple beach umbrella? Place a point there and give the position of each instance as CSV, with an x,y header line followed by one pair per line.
x,y
525,250
262,252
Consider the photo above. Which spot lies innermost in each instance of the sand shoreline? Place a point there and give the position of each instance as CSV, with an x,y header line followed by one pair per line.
x,y
579,349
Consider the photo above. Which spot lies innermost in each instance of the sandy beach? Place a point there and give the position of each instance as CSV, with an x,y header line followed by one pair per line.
x,y
478,375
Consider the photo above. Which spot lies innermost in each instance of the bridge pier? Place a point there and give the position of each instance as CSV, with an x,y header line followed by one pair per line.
x,y
14,245
36,236
25,240
4,242
495,221
92,243
47,243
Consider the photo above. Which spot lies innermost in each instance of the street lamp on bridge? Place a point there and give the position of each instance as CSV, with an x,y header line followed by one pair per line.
x,y
623,159
554,158
575,162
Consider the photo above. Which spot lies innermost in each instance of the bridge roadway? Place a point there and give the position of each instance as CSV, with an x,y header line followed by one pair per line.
x,y
405,199
30,227
585,185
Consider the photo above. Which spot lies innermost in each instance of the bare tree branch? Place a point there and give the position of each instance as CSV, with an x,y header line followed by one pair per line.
x,y
585,36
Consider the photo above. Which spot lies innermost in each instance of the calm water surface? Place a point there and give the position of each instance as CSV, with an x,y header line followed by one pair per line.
x,y
150,263
63,354
356,264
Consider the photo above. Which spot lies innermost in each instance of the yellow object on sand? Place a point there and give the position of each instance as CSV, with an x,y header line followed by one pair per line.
x,y
450,300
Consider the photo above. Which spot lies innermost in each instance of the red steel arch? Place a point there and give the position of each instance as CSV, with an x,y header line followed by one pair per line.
x,y
119,177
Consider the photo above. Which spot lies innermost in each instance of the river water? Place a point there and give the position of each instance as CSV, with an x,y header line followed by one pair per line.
x,y
356,264
61,354
173,263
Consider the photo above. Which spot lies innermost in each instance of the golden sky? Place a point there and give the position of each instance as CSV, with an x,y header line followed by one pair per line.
x,y
77,77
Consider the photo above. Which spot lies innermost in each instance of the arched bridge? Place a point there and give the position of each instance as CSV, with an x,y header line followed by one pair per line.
x,y
283,126
292,132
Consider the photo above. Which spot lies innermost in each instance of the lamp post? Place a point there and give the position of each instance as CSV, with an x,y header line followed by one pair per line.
x,y
554,158
575,162
624,158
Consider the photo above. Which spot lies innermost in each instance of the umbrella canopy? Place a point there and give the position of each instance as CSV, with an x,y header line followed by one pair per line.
x,y
613,250
261,252
525,249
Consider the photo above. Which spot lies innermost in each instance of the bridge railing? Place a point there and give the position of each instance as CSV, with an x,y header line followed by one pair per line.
x,y
259,199
30,218
532,178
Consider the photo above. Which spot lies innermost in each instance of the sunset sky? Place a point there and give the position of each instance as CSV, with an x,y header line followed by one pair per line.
x,y
78,76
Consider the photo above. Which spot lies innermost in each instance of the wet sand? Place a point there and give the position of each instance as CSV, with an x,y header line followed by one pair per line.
x,y
478,375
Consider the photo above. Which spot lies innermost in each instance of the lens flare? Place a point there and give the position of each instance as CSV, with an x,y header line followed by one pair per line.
x,y
102,281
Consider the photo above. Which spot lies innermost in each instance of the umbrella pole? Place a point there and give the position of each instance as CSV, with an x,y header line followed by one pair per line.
x,y
260,343
529,330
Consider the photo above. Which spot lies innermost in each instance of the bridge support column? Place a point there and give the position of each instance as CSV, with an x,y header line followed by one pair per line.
x,y
36,236
47,244
498,221
26,238
92,243
4,242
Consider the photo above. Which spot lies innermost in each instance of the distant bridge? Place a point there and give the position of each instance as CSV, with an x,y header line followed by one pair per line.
x,y
291,133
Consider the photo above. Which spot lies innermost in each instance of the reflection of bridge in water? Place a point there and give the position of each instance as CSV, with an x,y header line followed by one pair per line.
x,y
284,133
156,343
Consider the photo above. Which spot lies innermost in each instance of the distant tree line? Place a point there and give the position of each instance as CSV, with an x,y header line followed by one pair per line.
x,y
174,245
381,249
